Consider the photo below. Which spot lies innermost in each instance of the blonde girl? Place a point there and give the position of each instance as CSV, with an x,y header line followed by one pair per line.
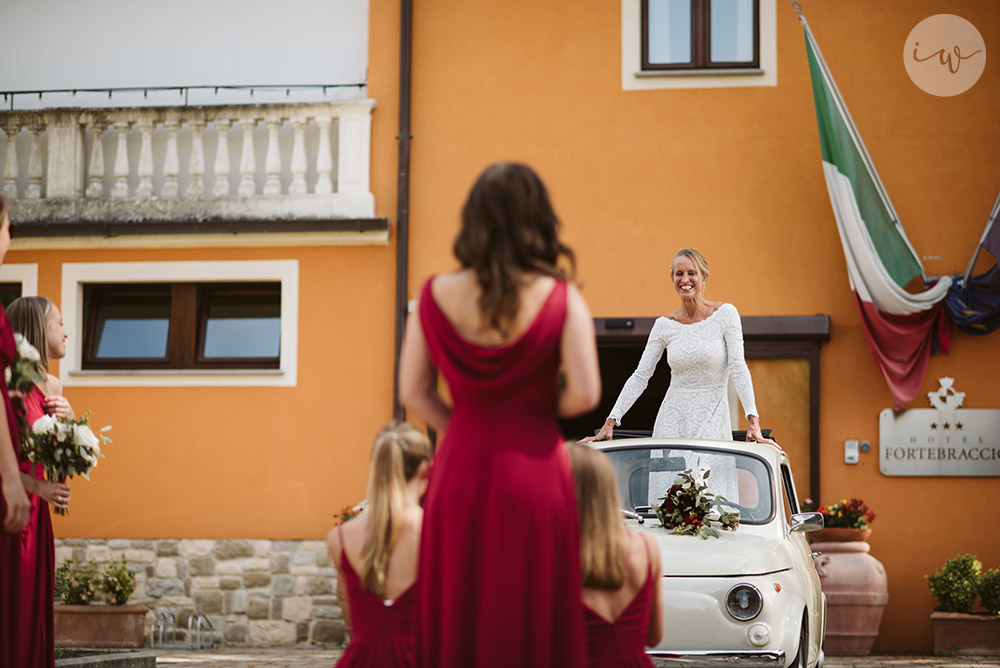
x,y
620,568
375,554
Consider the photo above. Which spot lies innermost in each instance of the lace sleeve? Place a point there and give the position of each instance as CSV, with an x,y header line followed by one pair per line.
x,y
636,383
738,371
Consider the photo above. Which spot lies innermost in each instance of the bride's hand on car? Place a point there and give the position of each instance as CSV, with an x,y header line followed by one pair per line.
x,y
605,434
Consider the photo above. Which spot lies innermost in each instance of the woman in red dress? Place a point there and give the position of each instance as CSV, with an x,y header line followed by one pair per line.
x,y
41,324
499,557
376,553
621,570
15,509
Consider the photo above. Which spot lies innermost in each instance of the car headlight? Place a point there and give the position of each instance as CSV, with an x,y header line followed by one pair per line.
x,y
744,602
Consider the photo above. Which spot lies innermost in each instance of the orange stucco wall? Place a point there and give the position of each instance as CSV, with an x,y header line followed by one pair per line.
x,y
236,462
734,172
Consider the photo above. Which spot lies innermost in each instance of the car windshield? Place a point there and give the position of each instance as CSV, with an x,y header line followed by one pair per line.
x,y
645,474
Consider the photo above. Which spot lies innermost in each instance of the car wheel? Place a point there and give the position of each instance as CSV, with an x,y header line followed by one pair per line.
x,y
802,656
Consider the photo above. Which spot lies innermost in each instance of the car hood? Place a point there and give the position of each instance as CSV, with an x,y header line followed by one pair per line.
x,y
734,553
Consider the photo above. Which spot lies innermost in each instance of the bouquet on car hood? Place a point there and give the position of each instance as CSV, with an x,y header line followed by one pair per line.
x,y
689,510
65,447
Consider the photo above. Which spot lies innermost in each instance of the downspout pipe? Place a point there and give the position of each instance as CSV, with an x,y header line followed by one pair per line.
x,y
402,193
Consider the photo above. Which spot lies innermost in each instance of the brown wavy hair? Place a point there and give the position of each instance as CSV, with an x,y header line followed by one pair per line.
x,y
509,228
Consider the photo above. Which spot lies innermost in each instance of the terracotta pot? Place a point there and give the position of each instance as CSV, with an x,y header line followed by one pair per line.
x,y
838,535
856,593
100,625
957,632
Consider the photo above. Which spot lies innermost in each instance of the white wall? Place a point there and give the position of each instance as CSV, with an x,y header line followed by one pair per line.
x,y
49,44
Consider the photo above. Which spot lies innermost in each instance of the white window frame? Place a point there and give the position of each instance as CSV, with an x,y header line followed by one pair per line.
x,y
77,274
635,78
25,274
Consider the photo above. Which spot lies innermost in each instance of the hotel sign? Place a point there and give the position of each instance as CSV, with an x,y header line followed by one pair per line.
x,y
944,440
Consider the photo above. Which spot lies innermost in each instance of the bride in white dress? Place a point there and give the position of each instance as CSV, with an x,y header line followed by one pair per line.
x,y
704,345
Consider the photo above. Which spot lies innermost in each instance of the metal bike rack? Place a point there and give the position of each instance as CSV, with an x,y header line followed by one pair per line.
x,y
200,632
165,622
195,629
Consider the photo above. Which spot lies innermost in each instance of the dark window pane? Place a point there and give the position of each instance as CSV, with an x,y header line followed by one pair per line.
x,y
9,292
132,328
243,326
732,31
669,31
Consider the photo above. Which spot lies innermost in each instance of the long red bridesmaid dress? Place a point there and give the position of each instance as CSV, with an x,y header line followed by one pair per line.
x,y
10,544
38,559
499,581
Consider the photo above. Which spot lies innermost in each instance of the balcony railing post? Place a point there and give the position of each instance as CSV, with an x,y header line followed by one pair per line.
x,y
120,189
248,160
272,162
298,166
11,129
196,167
221,187
171,164
95,172
324,159
64,168
145,187
35,161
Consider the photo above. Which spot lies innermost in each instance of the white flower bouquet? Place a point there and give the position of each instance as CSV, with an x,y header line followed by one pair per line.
x,y
26,369
65,447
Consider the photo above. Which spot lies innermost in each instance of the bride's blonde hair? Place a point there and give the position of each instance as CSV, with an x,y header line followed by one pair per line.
x,y
399,450
602,535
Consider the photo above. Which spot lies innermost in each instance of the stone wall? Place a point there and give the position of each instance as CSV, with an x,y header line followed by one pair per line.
x,y
255,592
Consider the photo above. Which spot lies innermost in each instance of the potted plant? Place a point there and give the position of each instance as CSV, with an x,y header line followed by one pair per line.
x,y
957,629
853,580
83,619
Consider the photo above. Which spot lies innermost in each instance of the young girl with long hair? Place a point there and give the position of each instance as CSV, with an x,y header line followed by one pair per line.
x,y
375,554
41,324
621,570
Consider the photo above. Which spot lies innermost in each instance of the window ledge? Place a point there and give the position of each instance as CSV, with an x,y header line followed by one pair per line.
x,y
82,373
737,71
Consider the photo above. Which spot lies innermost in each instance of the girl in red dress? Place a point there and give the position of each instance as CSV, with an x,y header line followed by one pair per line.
x,y
41,324
621,570
375,554
499,577
15,509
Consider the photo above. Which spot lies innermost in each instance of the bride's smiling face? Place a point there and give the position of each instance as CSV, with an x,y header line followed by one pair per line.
x,y
688,281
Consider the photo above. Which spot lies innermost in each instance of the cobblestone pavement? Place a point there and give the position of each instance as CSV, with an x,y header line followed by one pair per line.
x,y
316,657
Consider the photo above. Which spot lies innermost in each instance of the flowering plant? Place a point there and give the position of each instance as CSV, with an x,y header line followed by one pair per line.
x,y
26,369
689,510
844,514
65,447
77,583
118,583
349,512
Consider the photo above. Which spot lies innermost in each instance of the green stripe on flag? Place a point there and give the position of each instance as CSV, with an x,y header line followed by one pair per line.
x,y
839,149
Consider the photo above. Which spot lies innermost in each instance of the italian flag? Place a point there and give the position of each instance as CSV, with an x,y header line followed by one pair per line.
x,y
901,327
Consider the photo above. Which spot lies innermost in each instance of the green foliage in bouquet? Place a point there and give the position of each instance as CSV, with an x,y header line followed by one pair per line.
x,y
77,583
65,447
689,510
955,586
989,591
118,583
349,512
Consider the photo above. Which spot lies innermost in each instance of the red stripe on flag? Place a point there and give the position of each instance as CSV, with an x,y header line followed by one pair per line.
x,y
902,344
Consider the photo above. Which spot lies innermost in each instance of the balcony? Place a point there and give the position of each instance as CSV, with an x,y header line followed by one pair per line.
x,y
78,169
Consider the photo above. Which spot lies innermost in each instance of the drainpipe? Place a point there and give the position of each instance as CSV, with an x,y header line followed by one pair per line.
x,y
402,192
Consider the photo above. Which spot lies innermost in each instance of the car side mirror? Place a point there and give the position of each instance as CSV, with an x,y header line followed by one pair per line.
x,y
805,522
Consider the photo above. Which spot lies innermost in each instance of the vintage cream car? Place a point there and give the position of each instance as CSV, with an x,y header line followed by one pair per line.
x,y
750,597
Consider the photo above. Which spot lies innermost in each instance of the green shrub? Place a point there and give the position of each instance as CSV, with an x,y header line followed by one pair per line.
x,y
989,591
118,583
77,583
957,584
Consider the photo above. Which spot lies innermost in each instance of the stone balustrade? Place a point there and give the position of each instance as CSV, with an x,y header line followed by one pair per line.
x,y
236,162
255,592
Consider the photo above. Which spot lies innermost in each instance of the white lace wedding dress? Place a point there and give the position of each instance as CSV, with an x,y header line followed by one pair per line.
x,y
702,356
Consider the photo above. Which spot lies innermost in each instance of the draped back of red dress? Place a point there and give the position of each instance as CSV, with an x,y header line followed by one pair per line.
x,y
499,581
383,631
10,544
36,643
621,643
